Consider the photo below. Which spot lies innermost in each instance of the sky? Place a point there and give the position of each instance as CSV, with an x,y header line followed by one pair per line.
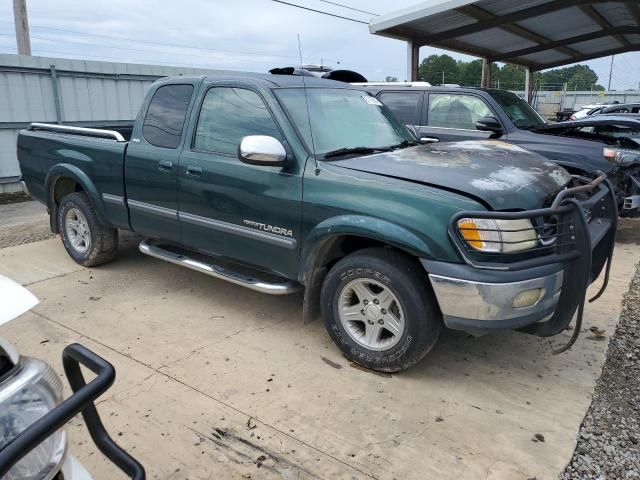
x,y
250,35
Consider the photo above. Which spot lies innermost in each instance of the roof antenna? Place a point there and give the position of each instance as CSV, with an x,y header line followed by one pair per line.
x,y
306,101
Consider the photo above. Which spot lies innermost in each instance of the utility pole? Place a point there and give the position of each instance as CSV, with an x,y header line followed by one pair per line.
x,y
443,77
610,73
22,27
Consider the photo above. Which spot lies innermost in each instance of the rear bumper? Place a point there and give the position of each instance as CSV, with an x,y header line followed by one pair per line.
x,y
476,302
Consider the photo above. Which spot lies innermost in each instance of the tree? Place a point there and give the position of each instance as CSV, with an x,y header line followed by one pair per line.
x,y
470,73
511,77
389,78
431,69
577,77
508,77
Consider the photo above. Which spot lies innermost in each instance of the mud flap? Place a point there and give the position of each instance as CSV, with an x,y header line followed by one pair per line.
x,y
311,302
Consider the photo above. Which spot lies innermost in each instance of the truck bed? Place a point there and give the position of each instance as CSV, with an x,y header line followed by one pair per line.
x,y
45,151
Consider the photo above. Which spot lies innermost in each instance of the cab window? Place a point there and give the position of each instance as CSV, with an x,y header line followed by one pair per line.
x,y
165,117
404,105
456,111
227,115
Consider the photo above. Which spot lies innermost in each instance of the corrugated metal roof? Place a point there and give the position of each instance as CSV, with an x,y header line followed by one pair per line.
x,y
536,33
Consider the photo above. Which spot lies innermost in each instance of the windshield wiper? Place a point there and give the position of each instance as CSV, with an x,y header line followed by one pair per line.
x,y
404,144
348,150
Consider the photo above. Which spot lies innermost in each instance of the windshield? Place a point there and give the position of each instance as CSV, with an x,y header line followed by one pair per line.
x,y
519,111
343,119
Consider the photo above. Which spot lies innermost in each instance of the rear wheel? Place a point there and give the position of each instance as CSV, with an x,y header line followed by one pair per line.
x,y
379,309
87,241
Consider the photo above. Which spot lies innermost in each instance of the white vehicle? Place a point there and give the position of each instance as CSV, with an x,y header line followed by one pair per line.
x,y
32,410
588,110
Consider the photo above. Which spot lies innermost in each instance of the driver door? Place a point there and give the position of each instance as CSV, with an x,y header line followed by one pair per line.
x,y
247,213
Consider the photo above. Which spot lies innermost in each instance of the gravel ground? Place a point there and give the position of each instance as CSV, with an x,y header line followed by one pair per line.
x,y
609,439
8,198
22,221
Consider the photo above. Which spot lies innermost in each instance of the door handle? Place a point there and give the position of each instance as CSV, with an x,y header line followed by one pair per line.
x,y
165,165
429,139
194,170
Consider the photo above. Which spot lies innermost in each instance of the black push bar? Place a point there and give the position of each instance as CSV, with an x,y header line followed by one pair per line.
x,y
558,246
84,394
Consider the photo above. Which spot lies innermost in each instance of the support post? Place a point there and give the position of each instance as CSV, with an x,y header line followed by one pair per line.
x,y
56,93
528,87
413,54
22,27
486,74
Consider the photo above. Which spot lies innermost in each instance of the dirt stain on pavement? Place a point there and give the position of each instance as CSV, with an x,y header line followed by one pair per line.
x,y
331,363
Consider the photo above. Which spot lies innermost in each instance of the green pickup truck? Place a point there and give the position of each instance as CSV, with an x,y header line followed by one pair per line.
x,y
280,182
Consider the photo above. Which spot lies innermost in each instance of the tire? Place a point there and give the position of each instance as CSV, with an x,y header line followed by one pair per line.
x,y
384,339
86,240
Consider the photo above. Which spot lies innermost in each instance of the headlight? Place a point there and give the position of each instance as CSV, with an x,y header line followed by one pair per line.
x,y
32,392
620,156
498,236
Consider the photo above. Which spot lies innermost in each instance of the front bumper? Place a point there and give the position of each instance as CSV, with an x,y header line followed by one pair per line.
x,y
538,290
478,301
82,401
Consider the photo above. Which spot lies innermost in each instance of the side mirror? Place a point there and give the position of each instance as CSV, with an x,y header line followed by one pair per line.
x,y
262,150
489,124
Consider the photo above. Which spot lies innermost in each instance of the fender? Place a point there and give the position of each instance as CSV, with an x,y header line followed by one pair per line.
x,y
366,227
71,171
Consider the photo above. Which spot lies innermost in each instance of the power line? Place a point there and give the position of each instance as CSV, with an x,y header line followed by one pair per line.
x,y
320,11
162,52
75,55
204,58
218,53
349,8
150,42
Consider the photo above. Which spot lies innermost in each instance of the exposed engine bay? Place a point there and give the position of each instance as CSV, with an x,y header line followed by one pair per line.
x,y
621,135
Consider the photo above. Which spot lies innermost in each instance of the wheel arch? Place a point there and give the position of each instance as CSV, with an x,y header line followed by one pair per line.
x,y
66,178
340,236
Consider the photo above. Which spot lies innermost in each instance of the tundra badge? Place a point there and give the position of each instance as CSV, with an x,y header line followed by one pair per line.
x,y
269,228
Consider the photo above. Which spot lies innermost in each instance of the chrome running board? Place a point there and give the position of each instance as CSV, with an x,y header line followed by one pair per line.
x,y
154,249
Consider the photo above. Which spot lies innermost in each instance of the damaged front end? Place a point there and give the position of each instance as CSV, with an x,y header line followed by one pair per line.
x,y
529,270
625,179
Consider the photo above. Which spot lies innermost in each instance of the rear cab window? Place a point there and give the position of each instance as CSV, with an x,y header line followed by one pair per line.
x,y
165,119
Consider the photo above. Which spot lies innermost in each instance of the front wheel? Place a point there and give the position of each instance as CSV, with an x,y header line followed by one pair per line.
x,y
86,240
379,309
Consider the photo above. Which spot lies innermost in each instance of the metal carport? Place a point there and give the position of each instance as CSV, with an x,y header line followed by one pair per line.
x,y
537,34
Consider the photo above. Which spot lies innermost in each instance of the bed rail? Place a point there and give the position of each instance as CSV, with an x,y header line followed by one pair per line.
x,y
87,132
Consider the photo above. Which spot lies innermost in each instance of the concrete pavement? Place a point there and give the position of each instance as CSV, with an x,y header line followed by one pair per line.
x,y
216,381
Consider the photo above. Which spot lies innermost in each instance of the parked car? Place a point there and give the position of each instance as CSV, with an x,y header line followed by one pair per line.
x,y
587,111
278,182
450,114
622,108
33,444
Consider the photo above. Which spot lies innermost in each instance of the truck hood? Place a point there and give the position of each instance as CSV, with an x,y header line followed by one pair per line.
x,y
500,175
